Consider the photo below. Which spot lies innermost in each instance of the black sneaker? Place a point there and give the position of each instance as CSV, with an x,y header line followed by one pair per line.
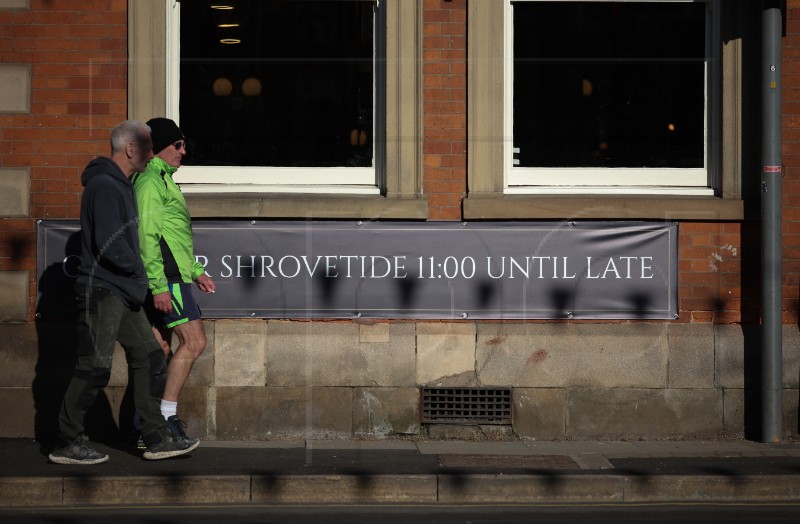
x,y
77,452
177,428
170,447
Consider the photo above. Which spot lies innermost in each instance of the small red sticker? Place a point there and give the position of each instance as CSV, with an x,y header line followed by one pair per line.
x,y
772,169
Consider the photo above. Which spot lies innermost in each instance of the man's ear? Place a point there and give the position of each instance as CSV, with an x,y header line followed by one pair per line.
x,y
130,149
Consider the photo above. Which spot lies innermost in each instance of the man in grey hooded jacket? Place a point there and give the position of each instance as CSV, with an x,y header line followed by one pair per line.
x,y
111,287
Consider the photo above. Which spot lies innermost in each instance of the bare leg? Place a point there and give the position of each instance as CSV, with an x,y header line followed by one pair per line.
x,y
191,344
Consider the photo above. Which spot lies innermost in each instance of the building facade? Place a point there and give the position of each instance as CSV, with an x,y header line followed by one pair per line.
x,y
423,112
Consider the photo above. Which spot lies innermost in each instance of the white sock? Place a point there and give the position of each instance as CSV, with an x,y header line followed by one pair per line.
x,y
168,408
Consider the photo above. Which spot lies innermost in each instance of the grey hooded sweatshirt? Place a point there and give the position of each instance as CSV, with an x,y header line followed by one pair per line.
x,y
109,233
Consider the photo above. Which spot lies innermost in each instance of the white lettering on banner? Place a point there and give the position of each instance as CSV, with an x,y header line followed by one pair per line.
x,y
388,266
398,267
545,264
224,260
329,267
449,267
281,270
265,266
611,267
347,259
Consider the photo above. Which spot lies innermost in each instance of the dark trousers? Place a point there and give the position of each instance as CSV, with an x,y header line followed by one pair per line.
x,y
103,319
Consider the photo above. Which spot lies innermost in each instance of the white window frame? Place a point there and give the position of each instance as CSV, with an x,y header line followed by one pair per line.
x,y
621,181
247,179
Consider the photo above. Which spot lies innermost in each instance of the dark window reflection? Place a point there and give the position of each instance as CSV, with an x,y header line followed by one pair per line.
x,y
609,84
297,91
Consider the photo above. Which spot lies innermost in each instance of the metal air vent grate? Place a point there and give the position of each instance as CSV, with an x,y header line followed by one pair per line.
x,y
466,405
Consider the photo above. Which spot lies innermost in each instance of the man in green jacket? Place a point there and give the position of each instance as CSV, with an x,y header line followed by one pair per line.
x,y
167,250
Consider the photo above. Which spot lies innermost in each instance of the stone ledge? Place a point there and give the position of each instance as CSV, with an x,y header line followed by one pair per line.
x,y
703,488
18,492
255,205
594,207
346,489
22,492
474,488
219,489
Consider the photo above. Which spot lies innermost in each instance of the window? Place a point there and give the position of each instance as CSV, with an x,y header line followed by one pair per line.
x,y
279,95
394,187
728,90
609,97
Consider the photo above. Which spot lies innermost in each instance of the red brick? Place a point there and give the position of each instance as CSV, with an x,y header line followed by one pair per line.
x,y
437,94
432,147
437,15
438,200
436,68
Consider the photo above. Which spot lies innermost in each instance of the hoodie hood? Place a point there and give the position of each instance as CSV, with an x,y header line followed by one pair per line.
x,y
103,166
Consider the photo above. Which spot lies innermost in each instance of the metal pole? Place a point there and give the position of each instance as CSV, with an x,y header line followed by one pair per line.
x,y
771,257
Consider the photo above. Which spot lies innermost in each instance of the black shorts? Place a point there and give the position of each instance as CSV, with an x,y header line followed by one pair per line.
x,y
184,307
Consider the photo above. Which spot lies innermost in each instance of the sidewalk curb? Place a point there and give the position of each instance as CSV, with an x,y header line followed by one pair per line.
x,y
445,488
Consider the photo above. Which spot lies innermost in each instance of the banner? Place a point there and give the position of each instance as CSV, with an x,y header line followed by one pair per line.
x,y
487,270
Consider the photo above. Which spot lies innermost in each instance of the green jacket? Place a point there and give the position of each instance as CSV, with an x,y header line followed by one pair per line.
x,y
165,228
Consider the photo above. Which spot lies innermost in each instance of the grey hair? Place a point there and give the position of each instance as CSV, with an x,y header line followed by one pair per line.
x,y
127,131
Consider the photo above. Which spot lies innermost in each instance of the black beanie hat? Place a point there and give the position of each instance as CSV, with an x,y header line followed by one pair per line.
x,y
164,132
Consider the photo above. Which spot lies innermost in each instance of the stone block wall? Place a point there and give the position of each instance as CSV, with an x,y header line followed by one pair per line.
x,y
272,380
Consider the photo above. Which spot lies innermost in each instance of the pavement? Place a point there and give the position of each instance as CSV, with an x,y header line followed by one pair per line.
x,y
409,472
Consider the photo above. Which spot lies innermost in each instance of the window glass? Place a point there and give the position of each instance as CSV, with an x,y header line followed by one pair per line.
x,y
609,85
277,83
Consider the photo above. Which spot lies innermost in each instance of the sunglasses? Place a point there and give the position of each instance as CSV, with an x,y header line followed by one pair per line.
x,y
180,144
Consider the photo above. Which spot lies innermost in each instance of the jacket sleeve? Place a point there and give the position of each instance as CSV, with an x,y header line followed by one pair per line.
x,y
111,240
150,199
197,270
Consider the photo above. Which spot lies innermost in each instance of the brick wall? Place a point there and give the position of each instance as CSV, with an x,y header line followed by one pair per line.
x,y
791,163
77,50
445,106
710,286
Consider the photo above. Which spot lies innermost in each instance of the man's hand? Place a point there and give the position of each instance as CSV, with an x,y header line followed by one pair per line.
x,y
205,284
163,301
